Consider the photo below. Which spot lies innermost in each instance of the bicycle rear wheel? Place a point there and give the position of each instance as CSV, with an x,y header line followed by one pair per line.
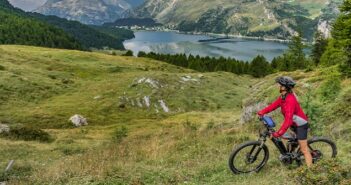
x,y
322,148
248,157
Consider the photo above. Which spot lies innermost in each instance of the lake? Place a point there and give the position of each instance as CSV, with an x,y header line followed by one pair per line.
x,y
203,45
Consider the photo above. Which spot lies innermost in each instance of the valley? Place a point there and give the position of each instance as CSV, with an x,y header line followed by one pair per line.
x,y
77,108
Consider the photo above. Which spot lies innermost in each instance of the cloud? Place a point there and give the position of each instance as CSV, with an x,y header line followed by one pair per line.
x,y
27,5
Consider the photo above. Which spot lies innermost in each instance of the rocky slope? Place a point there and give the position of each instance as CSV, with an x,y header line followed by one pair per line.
x,y
243,17
87,11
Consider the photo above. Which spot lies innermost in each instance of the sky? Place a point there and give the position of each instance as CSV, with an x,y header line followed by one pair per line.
x,y
27,5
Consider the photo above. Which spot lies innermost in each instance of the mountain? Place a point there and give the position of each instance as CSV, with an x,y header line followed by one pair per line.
x,y
88,11
270,18
25,30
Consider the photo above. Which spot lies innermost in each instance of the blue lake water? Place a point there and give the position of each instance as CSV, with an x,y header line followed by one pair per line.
x,y
203,45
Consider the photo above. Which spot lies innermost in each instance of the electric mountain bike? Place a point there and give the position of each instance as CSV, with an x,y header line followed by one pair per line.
x,y
252,156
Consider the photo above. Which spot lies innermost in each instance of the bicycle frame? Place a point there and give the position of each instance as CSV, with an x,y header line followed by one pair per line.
x,y
276,141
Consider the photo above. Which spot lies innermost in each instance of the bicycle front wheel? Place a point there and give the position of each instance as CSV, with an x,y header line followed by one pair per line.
x,y
248,157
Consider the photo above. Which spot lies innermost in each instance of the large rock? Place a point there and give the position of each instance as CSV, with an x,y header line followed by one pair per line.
x,y
4,128
78,120
249,112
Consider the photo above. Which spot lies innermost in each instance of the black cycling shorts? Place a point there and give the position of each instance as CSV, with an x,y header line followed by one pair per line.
x,y
301,131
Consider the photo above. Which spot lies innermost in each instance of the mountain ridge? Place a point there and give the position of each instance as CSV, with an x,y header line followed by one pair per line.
x,y
87,11
260,18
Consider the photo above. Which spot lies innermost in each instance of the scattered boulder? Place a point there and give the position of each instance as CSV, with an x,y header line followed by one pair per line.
x,y
147,101
4,128
149,81
164,106
78,120
97,97
123,102
188,78
139,103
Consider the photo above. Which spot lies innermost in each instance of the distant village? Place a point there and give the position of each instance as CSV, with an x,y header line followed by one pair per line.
x,y
148,28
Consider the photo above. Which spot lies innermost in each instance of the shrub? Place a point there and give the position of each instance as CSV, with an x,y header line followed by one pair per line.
x,y
188,126
142,54
345,69
210,125
129,53
120,133
28,134
67,81
314,112
324,172
18,171
71,150
52,76
330,89
333,54
115,69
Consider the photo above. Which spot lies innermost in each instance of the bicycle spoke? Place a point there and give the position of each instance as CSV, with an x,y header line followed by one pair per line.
x,y
322,150
249,158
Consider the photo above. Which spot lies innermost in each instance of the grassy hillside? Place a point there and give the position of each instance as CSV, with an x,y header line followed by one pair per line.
x,y
127,142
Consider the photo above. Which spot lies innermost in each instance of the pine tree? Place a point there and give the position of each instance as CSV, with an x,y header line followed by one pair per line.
x,y
319,46
260,67
342,35
296,53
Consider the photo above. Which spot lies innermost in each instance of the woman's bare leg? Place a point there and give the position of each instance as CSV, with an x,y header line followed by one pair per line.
x,y
304,149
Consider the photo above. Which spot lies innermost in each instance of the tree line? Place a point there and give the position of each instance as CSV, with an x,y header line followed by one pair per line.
x,y
15,29
293,59
212,64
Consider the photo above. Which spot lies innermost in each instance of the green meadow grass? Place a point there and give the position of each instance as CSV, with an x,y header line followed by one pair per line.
x,y
124,144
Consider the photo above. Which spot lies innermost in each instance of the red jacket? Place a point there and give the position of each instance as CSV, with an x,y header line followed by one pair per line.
x,y
289,107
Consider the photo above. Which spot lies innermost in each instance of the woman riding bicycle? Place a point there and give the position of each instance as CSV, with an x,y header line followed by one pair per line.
x,y
294,117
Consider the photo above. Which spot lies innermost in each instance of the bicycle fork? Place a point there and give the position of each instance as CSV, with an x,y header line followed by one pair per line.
x,y
252,158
